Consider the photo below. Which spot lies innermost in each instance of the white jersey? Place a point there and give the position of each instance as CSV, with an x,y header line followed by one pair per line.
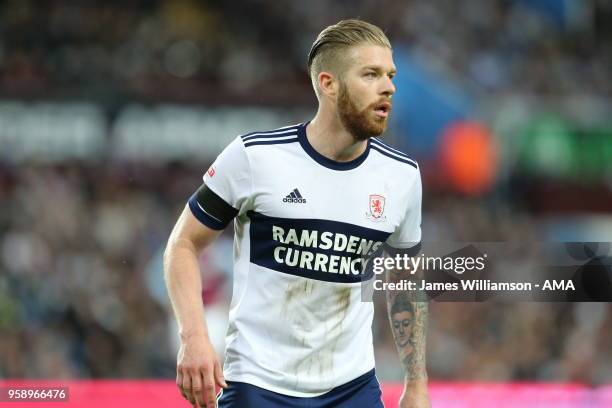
x,y
303,222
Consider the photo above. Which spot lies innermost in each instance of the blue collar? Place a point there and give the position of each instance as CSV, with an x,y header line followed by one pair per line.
x,y
324,161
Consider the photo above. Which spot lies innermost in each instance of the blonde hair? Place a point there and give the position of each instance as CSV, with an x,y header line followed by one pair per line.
x,y
331,43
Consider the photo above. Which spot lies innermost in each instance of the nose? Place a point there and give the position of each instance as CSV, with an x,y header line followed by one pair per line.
x,y
388,88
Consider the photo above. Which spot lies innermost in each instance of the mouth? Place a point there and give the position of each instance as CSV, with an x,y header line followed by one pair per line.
x,y
382,110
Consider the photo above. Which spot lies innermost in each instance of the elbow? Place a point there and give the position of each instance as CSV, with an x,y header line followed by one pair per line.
x,y
176,248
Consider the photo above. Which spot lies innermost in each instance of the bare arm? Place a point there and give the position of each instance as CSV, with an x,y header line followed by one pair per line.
x,y
182,272
198,368
408,313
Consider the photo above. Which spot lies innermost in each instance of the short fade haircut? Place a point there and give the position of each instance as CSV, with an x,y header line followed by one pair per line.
x,y
331,43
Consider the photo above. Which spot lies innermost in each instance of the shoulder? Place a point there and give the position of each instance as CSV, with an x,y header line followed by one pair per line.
x,y
280,136
394,155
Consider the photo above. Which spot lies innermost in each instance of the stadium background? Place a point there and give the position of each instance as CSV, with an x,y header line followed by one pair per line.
x,y
111,111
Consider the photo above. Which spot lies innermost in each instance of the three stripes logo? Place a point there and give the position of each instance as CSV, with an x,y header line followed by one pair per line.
x,y
294,197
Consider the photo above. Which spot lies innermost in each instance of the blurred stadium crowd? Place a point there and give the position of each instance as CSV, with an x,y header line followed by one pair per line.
x,y
81,287
197,48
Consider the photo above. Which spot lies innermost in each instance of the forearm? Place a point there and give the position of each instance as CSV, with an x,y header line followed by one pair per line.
x,y
410,340
183,281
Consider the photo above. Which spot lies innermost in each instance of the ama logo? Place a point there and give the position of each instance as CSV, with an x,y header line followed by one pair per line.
x,y
376,208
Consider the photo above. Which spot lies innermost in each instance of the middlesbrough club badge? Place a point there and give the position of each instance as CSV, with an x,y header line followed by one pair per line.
x,y
377,208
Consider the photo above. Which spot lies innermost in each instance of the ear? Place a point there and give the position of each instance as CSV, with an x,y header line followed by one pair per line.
x,y
328,84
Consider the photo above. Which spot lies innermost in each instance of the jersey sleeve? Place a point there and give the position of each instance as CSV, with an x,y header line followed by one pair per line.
x,y
407,236
226,189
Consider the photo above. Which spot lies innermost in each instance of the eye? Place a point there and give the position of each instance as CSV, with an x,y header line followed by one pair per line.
x,y
370,75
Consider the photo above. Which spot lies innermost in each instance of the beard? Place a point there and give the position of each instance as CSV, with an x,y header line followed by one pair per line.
x,y
362,124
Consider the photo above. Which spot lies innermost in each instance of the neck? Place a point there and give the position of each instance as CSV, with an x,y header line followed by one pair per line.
x,y
328,136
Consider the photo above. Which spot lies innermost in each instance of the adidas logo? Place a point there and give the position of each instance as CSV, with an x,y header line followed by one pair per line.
x,y
294,197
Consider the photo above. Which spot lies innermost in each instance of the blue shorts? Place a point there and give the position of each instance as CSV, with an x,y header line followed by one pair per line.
x,y
362,392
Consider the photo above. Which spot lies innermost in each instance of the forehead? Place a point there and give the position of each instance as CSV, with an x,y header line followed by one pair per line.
x,y
362,56
404,314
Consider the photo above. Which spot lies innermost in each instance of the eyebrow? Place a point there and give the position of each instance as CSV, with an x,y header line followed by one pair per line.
x,y
379,69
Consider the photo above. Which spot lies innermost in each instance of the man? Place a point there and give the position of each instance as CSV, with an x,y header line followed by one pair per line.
x,y
309,202
401,320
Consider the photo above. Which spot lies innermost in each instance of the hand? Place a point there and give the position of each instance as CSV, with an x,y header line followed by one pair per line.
x,y
198,371
415,395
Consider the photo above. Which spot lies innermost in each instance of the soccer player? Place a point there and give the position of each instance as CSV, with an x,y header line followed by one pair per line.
x,y
309,202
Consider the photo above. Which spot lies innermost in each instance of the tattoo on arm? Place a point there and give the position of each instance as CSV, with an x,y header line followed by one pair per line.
x,y
408,312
